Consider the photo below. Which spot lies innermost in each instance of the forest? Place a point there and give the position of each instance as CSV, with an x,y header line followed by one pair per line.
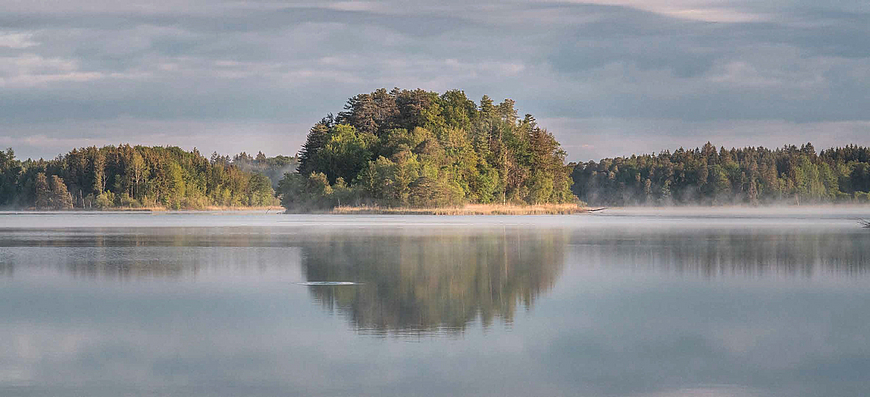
x,y
707,176
137,177
421,149
416,148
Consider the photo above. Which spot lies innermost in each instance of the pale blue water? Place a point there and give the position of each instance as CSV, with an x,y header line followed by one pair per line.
x,y
625,303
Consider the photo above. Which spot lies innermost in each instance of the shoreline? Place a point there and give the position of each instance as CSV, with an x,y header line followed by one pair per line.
x,y
483,209
277,209
470,209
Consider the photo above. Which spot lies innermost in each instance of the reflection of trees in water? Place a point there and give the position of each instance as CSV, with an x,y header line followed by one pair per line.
x,y
134,253
732,252
7,265
432,282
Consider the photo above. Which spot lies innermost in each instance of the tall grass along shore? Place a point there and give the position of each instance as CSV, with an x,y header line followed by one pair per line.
x,y
470,209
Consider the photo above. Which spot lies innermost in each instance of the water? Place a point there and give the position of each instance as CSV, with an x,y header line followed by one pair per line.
x,y
624,303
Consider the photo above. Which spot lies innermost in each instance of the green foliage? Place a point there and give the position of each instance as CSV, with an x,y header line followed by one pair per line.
x,y
259,191
105,200
709,176
173,186
51,193
10,172
427,192
419,148
291,189
314,192
42,192
345,153
127,176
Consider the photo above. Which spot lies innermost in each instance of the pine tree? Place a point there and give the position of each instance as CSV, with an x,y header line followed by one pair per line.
x,y
42,193
59,197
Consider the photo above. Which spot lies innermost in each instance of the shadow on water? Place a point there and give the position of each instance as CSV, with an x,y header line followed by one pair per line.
x,y
434,283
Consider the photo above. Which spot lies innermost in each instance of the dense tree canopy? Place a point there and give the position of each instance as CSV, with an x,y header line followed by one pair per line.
x,y
128,176
706,175
419,148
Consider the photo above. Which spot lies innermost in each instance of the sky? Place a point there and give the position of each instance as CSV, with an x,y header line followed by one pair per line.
x,y
606,77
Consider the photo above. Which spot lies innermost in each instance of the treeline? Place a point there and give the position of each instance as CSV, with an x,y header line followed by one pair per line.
x,y
707,176
421,149
129,176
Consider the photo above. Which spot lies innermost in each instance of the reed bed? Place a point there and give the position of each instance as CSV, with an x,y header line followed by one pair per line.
x,y
470,209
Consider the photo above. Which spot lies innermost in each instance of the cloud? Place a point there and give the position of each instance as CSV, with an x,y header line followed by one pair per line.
x,y
698,10
30,70
207,136
688,61
596,138
356,6
17,40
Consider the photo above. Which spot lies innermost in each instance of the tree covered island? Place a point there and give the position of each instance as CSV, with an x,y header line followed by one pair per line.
x,y
416,148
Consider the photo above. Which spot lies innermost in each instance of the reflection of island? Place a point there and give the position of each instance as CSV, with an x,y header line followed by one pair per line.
x,y
433,282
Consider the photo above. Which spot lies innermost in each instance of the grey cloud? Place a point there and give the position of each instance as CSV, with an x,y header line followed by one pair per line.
x,y
46,139
244,20
592,138
293,62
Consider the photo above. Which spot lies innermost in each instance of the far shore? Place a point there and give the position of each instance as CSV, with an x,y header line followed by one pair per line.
x,y
276,209
495,209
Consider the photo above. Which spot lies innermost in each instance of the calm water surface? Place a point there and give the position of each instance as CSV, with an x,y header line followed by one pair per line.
x,y
625,303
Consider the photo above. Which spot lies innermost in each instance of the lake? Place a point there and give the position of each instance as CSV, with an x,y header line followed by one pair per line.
x,y
635,302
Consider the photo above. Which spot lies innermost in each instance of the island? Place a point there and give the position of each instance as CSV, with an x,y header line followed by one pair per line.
x,y
416,151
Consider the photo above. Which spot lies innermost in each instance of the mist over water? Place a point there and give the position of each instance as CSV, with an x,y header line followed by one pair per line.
x,y
634,301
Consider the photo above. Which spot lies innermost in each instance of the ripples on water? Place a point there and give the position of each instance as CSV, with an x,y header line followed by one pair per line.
x,y
628,303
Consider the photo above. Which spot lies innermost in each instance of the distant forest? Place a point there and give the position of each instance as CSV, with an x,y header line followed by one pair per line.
x,y
418,148
707,176
139,176
423,149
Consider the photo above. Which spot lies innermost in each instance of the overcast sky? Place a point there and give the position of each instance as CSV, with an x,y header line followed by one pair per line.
x,y
607,77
